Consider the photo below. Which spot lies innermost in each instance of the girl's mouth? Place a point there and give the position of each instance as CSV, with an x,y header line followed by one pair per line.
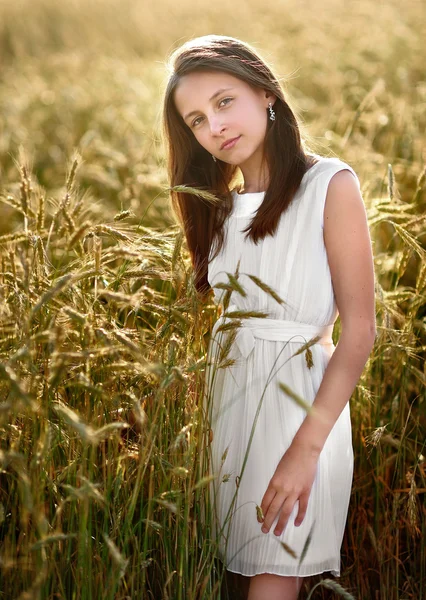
x,y
231,144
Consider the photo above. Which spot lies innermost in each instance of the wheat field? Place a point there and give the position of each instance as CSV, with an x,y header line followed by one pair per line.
x,y
102,337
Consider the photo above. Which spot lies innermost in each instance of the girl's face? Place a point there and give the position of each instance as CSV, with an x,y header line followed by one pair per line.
x,y
218,107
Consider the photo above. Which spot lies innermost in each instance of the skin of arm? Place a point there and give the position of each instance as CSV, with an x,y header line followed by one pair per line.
x,y
350,258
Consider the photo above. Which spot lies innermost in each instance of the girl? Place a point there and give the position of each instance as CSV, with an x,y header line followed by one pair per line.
x,y
295,236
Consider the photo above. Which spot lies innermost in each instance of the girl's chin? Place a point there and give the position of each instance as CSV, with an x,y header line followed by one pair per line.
x,y
234,162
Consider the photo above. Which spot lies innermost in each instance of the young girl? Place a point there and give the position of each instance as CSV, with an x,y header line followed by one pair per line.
x,y
298,224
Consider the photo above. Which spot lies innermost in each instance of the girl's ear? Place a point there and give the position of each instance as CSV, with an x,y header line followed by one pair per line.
x,y
270,97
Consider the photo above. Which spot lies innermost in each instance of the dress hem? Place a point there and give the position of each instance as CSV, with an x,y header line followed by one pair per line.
x,y
333,572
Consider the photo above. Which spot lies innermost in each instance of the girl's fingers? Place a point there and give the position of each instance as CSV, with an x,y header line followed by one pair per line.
x,y
266,501
303,507
272,512
286,511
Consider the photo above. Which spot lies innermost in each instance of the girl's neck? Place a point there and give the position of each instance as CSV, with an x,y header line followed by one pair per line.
x,y
258,188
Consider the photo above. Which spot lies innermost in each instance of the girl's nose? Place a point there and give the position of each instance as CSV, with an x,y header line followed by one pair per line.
x,y
216,127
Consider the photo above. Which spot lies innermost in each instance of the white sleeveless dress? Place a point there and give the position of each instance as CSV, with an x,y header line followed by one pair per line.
x,y
246,447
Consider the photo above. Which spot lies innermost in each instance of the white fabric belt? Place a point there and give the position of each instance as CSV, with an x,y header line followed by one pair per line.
x,y
279,330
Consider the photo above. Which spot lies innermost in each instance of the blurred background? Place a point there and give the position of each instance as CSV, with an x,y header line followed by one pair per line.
x,y
89,512
91,74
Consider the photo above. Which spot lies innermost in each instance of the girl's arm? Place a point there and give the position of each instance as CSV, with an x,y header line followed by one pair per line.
x,y
350,258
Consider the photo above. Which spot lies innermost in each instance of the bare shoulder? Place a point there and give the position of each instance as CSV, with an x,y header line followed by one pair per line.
x,y
343,183
349,251
345,218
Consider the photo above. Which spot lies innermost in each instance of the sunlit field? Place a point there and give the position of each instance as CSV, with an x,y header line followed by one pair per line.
x,y
104,461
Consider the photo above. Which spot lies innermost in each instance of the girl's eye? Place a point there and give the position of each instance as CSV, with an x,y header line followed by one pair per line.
x,y
224,100
194,123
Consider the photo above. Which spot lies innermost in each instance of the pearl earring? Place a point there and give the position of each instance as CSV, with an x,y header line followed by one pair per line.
x,y
271,112
214,158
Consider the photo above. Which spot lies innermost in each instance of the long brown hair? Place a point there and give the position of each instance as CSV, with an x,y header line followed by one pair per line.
x,y
190,164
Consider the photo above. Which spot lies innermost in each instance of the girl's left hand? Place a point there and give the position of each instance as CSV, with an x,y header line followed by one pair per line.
x,y
292,481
